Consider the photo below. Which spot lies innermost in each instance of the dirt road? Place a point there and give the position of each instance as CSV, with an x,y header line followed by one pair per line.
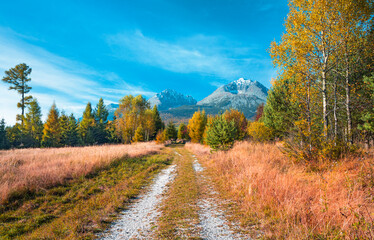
x,y
180,203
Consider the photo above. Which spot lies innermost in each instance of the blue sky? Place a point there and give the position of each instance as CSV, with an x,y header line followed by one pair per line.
x,y
83,50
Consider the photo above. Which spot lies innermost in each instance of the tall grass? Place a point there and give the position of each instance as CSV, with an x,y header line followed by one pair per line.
x,y
292,201
25,170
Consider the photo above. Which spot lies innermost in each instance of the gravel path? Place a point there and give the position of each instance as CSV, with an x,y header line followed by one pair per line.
x,y
137,222
213,223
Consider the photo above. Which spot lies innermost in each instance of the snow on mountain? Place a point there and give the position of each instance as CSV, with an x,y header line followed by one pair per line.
x,y
171,99
237,93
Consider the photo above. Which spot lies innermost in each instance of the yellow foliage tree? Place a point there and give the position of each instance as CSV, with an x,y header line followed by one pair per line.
x,y
196,126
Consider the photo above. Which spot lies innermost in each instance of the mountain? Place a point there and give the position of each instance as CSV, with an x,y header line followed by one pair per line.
x,y
243,95
171,99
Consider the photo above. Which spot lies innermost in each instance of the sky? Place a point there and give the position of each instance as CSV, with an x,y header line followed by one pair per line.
x,y
80,51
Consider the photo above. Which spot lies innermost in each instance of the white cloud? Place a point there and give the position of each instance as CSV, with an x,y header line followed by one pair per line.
x,y
181,58
70,84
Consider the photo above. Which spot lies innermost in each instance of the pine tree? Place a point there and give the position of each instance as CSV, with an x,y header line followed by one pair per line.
x,y
87,125
220,133
139,134
18,78
171,131
64,125
196,126
4,143
183,132
101,116
33,125
52,129
158,124
72,133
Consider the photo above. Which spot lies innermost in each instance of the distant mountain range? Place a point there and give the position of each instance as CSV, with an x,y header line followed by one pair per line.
x,y
243,95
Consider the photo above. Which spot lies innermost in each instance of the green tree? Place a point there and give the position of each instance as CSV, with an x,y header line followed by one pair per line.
x,y
196,126
367,116
33,125
220,133
171,131
158,124
139,134
112,132
183,131
18,78
101,119
64,125
52,130
280,111
87,125
4,143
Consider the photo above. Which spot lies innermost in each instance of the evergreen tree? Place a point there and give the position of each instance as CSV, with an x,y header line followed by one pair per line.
x,y
4,143
139,134
280,112
183,132
158,124
33,125
87,125
101,116
171,131
14,136
220,133
72,134
52,129
18,78
64,125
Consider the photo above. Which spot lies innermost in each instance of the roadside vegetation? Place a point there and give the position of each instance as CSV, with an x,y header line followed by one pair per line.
x,y
85,202
294,201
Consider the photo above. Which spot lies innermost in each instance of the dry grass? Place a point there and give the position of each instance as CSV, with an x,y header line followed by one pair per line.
x,y
290,201
25,170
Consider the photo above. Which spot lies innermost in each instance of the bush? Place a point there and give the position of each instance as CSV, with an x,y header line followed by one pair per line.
x,y
161,136
259,132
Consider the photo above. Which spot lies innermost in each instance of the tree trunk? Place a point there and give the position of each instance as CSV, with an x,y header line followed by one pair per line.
x,y
335,109
348,98
324,103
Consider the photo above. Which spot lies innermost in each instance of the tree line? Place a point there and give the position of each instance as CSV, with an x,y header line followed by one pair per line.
x,y
134,120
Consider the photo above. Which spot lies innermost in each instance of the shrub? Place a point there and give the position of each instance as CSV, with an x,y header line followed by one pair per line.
x,y
259,132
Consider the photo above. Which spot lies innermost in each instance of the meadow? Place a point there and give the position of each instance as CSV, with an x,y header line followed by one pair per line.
x,y
33,169
331,199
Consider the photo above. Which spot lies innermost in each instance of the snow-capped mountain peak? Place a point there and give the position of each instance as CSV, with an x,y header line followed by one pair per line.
x,y
170,98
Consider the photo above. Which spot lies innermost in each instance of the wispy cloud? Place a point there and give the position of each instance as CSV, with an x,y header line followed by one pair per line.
x,y
69,83
186,56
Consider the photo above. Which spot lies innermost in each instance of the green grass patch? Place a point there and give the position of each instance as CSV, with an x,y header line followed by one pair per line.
x,y
83,206
179,210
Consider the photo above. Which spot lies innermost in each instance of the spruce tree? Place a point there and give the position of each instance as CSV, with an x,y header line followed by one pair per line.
x,y
64,125
220,134
101,120
171,131
18,78
4,143
86,126
52,129
33,125
157,120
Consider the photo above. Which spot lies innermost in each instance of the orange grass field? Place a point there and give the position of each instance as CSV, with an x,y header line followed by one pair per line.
x,y
35,169
286,200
